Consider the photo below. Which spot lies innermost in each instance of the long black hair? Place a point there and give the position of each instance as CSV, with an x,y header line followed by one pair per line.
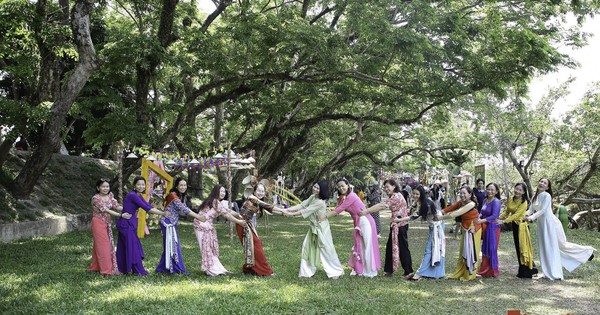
x,y
213,197
426,205
183,197
405,194
175,190
323,189
435,191
525,196
549,190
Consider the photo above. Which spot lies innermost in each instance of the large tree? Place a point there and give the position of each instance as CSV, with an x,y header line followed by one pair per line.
x,y
56,81
288,74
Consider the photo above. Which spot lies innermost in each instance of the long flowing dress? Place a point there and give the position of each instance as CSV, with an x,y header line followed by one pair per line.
x,y
491,237
514,214
104,259
365,259
255,261
555,251
468,262
373,198
318,243
171,247
129,248
433,264
206,234
396,248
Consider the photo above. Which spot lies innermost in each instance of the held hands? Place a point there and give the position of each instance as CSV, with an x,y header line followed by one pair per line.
x,y
363,213
281,211
499,221
126,215
322,218
166,214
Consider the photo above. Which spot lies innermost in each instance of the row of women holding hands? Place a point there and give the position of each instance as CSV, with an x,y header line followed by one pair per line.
x,y
129,253
481,232
318,245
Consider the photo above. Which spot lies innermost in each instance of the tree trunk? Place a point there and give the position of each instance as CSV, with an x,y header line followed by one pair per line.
x,y
146,70
70,88
219,119
5,148
195,188
590,173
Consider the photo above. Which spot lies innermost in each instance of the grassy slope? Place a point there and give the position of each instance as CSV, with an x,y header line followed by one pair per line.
x,y
47,275
65,187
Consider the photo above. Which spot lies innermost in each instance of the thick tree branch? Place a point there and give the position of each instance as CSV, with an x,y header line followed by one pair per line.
x,y
591,171
69,90
321,14
223,4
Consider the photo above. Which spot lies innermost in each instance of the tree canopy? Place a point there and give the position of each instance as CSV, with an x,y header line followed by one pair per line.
x,y
312,87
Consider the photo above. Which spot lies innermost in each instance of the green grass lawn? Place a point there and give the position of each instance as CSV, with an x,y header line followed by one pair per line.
x,y
48,275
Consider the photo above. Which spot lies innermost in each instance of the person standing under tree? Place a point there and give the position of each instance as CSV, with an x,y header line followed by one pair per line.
x,y
318,243
129,248
396,249
364,259
470,245
516,206
490,231
104,205
555,251
171,260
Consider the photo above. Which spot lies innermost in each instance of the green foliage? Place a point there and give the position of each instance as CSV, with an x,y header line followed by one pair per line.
x,y
354,85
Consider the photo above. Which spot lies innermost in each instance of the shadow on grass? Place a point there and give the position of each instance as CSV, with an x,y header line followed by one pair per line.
x,y
48,275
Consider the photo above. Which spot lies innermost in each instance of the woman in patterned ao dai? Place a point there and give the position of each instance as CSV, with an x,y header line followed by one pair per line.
x,y
207,234
104,205
396,249
171,260
255,260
